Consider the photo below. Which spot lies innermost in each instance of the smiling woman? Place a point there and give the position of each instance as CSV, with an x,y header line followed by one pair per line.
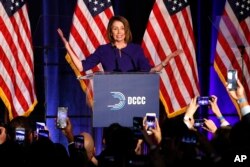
x,y
119,54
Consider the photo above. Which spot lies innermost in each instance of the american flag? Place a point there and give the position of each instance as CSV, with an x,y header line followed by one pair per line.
x,y
17,89
170,28
233,42
87,32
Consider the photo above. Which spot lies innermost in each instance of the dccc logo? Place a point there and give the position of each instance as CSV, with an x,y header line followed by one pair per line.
x,y
132,100
120,104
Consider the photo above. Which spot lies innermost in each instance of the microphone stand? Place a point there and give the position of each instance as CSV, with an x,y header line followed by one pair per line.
x,y
129,56
242,52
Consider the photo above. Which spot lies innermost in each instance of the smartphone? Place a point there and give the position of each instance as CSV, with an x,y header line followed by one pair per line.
x,y
42,133
62,114
232,77
20,135
198,123
79,142
137,123
137,127
189,139
203,100
39,126
150,120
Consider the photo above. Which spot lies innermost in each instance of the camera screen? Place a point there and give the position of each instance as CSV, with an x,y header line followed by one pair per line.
x,y
39,126
137,123
151,121
137,126
203,100
232,79
61,117
79,141
189,139
43,133
20,135
198,123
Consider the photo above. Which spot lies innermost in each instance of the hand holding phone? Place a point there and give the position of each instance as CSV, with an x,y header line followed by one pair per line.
x,y
150,121
20,135
42,133
204,100
40,126
62,115
198,123
232,77
79,142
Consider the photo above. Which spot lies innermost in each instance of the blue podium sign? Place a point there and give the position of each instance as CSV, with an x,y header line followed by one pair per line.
x,y
118,97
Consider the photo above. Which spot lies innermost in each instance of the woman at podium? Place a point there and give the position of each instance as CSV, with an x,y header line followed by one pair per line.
x,y
120,54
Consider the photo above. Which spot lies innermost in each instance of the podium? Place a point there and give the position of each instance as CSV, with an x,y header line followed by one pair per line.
x,y
118,97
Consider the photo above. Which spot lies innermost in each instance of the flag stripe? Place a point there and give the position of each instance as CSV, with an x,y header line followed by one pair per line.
x,y
161,54
13,79
155,41
17,78
164,34
23,50
180,65
21,71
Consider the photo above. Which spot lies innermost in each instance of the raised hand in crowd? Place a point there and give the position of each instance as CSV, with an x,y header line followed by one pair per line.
x,y
215,109
189,114
240,96
68,131
83,155
209,125
155,138
238,93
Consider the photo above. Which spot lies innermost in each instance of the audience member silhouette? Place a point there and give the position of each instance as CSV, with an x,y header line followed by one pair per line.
x,y
80,156
44,152
120,144
10,152
240,135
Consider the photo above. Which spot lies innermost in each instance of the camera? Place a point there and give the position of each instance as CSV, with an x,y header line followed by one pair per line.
x,y
42,133
137,127
189,139
204,100
62,114
79,142
198,123
39,126
20,135
232,77
150,120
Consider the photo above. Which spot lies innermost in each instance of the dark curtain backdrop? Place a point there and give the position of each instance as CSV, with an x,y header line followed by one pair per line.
x,y
56,84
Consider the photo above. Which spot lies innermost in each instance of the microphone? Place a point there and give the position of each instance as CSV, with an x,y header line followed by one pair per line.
x,y
117,69
241,48
133,63
131,60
